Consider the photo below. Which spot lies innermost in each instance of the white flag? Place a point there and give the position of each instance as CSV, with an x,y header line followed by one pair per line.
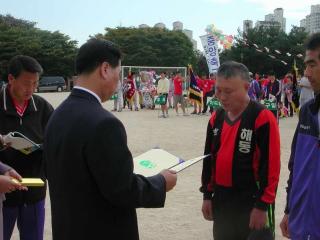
x,y
210,46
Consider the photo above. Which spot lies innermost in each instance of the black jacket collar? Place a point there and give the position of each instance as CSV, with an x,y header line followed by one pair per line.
x,y
84,94
7,105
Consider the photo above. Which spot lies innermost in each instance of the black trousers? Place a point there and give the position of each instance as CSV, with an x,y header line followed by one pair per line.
x,y
288,106
231,216
204,100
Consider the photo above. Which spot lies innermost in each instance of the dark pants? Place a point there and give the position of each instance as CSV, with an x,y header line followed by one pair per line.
x,y
231,212
29,218
204,100
288,106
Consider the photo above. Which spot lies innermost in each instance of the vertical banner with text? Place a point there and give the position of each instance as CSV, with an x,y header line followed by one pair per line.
x,y
210,46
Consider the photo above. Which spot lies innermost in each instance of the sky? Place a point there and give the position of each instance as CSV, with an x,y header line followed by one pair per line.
x,y
82,18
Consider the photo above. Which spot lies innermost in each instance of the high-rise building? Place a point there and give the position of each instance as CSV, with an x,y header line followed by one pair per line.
x,y
268,24
274,19
160,25
312,21
177,25
247,24
143,26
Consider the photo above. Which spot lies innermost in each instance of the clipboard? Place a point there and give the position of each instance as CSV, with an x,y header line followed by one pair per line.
x,y
154,161
30,182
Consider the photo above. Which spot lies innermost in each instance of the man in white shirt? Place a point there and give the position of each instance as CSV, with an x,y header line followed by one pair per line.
x,y
163,91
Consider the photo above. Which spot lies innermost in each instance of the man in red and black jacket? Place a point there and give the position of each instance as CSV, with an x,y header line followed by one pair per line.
x,y
240,178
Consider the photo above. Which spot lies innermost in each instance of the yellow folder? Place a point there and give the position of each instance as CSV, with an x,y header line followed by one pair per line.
x,y
30,182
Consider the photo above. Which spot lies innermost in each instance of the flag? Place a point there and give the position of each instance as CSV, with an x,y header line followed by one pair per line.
x,y
195,93
295,97
130,87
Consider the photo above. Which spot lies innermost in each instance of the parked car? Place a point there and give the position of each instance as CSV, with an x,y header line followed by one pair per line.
x,y
52,83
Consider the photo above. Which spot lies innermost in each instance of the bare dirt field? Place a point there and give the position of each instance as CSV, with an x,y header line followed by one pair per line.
x,y
183,136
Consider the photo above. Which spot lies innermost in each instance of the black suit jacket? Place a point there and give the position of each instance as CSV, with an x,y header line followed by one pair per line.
x,y
93,189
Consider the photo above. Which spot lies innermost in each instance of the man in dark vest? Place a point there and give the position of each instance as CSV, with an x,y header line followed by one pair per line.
x,y
240,178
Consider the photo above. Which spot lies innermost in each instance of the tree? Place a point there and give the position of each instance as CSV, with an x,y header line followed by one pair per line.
x,y
151,46
268,40
54,50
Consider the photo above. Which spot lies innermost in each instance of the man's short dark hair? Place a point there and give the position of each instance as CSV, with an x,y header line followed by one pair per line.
x,y
94,52
22,63
313,43
231,69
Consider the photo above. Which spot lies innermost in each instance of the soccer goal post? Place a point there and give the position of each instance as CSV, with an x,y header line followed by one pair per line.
x,y
156,70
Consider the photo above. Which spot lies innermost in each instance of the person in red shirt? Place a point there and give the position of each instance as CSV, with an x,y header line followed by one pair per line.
x,y
240,177
177,93
208,91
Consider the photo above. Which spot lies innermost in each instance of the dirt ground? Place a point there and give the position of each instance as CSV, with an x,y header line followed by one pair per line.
x,y
183,136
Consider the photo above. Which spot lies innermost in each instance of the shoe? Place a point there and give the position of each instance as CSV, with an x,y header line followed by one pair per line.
x,y
194,112
185,114
199,113
114,110
178,114
136,109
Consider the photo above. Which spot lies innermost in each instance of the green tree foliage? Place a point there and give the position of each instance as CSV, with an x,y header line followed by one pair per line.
x,y
151,46
273,39
201,66
54,50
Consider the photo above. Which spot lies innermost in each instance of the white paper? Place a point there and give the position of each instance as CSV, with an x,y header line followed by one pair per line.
x,y
154,161
188,163
19,143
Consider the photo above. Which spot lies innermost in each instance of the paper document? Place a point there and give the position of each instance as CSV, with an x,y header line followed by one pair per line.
x,y
20,142
30,182
154,161
188,163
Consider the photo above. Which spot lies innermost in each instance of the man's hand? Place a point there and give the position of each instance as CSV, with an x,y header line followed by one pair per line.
x,y
284,226
258,219
170,177
12,173
207,210
7,185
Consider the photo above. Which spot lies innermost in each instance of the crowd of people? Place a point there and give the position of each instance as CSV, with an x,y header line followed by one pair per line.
x,y
85,158
138,91
289,92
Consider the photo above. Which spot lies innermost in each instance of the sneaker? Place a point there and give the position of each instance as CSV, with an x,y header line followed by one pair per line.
x,y
136,109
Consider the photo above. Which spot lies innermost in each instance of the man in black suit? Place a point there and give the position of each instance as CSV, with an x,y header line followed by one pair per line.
x,y
93,190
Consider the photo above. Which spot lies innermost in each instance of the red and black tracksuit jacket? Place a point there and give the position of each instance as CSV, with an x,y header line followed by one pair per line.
x,y
245,154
